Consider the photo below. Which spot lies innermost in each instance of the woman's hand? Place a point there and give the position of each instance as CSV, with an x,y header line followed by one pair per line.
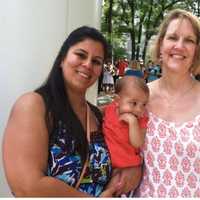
x,y
113,186
109,192
123,181
129,179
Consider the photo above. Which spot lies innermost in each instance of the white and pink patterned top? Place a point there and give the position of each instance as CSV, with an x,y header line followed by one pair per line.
x,y
172,159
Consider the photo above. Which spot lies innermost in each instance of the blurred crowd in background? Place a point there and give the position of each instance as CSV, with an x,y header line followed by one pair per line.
x,y
122,67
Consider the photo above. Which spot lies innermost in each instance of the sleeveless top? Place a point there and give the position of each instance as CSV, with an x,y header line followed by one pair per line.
x,y
64,162
172,159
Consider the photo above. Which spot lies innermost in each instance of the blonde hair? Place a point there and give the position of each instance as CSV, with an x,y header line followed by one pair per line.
x,y
176,14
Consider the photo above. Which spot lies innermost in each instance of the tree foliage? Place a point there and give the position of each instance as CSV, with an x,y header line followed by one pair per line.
x,y
137,21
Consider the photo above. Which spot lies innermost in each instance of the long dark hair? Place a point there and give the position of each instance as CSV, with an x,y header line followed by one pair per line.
x,y
55,96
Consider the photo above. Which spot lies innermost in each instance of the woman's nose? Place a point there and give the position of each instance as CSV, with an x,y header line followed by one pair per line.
x,y
180,43
88,63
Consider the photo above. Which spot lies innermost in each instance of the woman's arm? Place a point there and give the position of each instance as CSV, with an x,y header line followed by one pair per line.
x,y
25,152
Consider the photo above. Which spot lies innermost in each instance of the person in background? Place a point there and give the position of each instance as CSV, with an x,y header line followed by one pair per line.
x,y
125,122
132,69
115,73
100,85
122,64
154,72
108,80
144,70
53,144
171,150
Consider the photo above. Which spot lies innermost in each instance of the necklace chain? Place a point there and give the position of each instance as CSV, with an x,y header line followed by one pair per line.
x,y
172,101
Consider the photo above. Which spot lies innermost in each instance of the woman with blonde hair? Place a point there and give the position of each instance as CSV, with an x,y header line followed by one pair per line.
x,y
171,150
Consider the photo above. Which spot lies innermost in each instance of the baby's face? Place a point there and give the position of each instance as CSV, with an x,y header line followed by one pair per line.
x,y
132,101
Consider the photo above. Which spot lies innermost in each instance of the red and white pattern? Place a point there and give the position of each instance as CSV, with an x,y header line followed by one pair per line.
x,y
172,159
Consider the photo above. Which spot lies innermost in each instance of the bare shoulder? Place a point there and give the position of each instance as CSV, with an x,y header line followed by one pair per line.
x,y
154,90
25,143
197,93
153,86
197,85
29,102
27,116
154,95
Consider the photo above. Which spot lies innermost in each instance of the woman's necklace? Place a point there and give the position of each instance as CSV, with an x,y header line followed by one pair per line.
x,y
88,123
172,101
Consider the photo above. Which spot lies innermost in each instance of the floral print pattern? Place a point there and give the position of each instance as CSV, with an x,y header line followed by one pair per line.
x,y
172,159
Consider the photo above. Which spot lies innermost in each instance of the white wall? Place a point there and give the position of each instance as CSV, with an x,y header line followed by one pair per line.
x,y
31,33
85,12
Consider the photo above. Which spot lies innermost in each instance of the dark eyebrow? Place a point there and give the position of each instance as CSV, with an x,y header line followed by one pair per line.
x,y
98,57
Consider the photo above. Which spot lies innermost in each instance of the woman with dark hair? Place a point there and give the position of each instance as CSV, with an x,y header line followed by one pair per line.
x,y
53,143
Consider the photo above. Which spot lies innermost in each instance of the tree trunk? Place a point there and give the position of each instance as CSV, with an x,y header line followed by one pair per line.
x,y
110,27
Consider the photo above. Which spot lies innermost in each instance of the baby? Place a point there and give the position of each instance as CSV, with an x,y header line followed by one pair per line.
x,y
125,122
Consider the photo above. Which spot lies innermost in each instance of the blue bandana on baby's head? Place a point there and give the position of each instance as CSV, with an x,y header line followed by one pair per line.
x,y
136,73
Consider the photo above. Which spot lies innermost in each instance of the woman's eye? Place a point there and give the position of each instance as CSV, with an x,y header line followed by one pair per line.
x,y
172,38
97,62
190,41
81,55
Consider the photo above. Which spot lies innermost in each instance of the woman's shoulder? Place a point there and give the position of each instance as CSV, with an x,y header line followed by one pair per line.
x,y
30,98
153,86
29,102
197,85
154,99
197,91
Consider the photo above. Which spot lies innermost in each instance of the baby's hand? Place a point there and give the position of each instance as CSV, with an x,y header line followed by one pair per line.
x,y
128,118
